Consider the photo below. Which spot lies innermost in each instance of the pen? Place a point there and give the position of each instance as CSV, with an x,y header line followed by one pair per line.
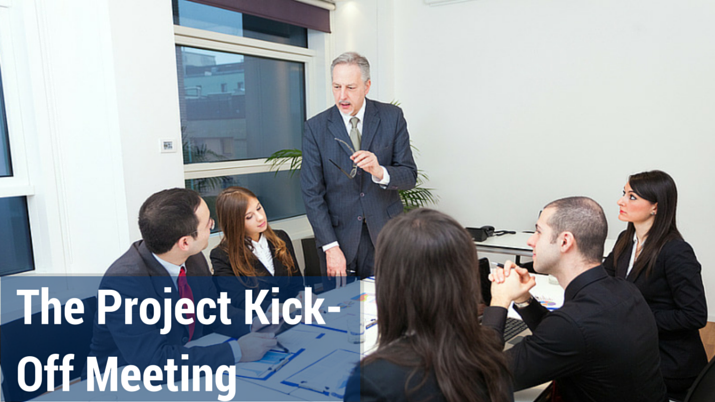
x,y
285,349
371,324
500,265
279,365
305,384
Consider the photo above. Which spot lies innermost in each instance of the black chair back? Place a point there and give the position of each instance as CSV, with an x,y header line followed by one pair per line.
x,y
703,389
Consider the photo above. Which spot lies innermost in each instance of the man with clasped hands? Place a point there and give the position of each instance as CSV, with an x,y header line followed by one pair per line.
x,y
602,344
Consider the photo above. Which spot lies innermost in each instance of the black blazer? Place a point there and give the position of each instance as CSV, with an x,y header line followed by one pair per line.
x,y
235,287
601,345
137,274
674,291
382,380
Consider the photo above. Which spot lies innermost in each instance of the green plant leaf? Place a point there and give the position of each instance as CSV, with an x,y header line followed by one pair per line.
x,y
292,156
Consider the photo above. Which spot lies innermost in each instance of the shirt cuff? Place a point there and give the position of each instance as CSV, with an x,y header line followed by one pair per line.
x,y
236,349
385,178
330,245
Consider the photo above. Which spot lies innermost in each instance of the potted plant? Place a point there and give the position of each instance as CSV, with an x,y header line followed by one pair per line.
x,y
414,198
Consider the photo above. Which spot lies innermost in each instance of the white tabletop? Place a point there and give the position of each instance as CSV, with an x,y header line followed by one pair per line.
x,y
515,244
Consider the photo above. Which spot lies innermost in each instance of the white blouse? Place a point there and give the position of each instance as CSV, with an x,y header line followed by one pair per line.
x,y
262,251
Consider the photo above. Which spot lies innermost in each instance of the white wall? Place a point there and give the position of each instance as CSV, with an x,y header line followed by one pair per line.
x,y
100,92
516,103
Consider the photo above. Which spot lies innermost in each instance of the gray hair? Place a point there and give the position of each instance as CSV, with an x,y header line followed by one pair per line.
x,y
585,219
356,59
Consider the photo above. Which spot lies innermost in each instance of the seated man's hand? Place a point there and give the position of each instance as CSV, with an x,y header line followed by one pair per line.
x,y
258,326
254,345
510,284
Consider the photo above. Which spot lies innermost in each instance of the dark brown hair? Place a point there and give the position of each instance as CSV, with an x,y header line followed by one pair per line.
x,y
427,289
231,207
585,219
656,187
167,216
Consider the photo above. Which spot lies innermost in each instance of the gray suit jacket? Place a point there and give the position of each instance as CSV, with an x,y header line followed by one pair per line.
x,y
336,205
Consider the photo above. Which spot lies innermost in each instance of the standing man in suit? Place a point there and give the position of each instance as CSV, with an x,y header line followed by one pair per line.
x,y
602,344
356,156
175,226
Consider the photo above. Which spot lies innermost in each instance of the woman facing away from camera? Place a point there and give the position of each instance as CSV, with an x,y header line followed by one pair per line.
x,y
652,254
251,255
431,345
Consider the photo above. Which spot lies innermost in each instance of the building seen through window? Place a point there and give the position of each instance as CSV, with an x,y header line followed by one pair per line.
x,y
238,108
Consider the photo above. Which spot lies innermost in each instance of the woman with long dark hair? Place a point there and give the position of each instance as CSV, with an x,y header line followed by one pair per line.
x,y
652,254
431,345
251,255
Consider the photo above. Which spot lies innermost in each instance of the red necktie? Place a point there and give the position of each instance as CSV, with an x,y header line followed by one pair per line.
x,y
185,293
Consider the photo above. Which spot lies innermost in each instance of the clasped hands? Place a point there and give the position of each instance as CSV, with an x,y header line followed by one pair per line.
x,y
511,283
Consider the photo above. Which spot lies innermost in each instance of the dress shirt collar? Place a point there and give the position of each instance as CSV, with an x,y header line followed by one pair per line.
x,y
172,269
261,244
360,115
634,248
586,278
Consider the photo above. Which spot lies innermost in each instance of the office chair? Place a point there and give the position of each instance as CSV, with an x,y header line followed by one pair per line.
x,y
703,389
312,274
19,340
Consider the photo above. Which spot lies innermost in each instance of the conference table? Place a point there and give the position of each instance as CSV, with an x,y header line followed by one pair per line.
x,y
515,244
313,343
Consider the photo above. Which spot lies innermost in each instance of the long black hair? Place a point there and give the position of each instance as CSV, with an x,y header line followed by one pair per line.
x,y
656,187
427,288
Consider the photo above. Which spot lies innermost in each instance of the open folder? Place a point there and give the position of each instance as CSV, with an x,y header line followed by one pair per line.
x,y
263,369
329,375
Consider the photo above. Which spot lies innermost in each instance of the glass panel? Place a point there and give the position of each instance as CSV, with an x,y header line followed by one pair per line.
x,y
237,107
15,240
5,163
279,194
200,16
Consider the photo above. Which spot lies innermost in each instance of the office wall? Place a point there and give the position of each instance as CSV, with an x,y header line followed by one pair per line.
x,y
516,103
100,93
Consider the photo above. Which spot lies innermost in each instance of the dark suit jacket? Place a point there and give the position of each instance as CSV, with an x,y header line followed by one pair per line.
x,y
674,291
226,280
382,380
601,345
336,205
137,274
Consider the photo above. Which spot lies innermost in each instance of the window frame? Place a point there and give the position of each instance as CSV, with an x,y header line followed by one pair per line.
x,y
193,37
19,183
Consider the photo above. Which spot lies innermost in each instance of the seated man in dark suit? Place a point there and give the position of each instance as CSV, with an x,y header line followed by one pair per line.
x,y
175,226
602,345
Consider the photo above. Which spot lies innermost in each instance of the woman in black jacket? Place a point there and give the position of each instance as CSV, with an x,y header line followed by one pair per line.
x,y
431,345
652,254
251,256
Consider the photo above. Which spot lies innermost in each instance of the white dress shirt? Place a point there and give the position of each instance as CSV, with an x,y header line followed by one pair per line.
x,y
633,254
262,251
174,271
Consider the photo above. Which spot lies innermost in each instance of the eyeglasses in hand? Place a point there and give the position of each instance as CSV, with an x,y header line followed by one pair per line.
x,y
353,171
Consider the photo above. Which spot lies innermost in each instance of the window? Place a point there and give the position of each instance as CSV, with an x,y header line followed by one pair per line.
x,y
15,240
242,96
5,163
190,14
